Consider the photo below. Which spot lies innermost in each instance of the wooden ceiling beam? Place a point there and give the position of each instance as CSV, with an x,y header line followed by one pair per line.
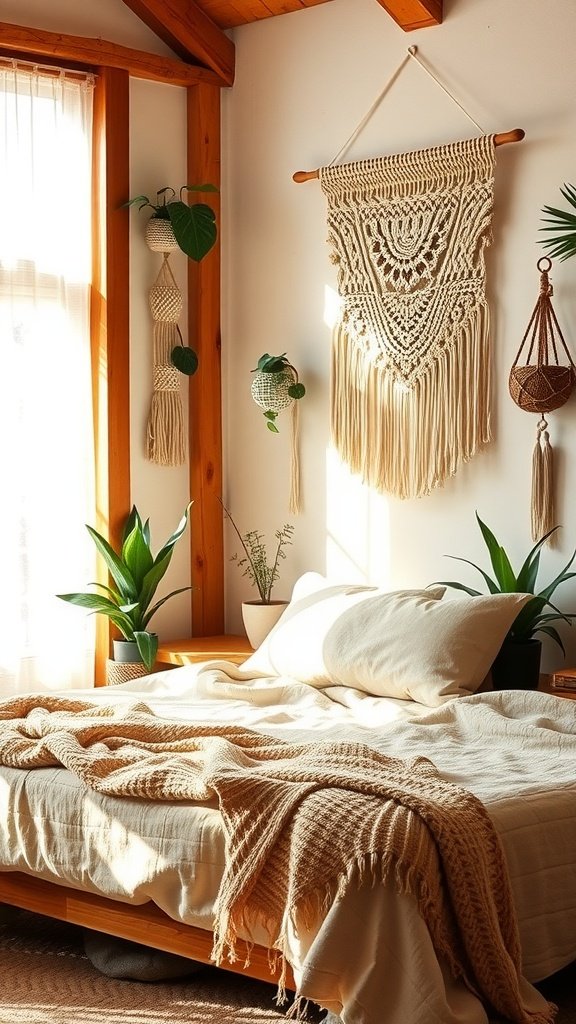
x,y
189,32
101,53
412,14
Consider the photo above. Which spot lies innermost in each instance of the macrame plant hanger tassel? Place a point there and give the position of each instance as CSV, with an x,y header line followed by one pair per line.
x,y
541,387
166,435
271,392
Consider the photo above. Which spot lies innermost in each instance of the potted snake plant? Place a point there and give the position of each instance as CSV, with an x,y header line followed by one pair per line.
x,y
518,662
136,574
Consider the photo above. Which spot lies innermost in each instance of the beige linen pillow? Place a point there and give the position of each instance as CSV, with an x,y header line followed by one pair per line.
x,y
410,646
297,645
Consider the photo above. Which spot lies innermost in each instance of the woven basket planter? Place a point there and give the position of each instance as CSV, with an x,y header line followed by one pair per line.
x,y
160,235
123,671
270,390
541,388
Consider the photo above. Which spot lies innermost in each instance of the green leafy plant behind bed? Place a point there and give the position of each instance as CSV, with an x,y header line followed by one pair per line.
x,y
262,571
532,618
563,224
136,573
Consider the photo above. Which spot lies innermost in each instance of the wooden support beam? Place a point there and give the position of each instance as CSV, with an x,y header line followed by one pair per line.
x,y
100,53
189,32
412,14
110,318
205,417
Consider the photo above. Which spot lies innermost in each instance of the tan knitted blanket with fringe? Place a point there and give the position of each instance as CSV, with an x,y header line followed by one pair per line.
x,y
303,822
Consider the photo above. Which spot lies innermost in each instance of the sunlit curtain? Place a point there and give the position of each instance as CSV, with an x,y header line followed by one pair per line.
x,y
46,426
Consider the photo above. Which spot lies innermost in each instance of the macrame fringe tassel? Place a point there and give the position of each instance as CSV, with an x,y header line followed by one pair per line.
x,y
405,439
542,484
294,500
166,437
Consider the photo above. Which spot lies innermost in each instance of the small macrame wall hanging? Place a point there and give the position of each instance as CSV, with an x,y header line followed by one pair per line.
x,y
166,434
411,390
275,387
539,383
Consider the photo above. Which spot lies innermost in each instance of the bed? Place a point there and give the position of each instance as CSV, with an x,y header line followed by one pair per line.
x,y
336,669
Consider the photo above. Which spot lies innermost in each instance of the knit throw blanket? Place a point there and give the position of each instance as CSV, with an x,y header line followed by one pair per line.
x,y
303,822
410,355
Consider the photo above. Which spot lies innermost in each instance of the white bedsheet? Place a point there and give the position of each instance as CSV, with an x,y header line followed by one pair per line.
x,y
371,959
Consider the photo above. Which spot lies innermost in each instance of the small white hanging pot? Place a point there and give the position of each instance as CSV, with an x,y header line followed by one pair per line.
x,y
160,235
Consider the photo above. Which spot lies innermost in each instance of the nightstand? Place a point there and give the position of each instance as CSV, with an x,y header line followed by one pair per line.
x,y
546,687
204,648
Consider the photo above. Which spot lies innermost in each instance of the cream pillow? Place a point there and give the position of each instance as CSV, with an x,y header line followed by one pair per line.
x,y
297,644
408,645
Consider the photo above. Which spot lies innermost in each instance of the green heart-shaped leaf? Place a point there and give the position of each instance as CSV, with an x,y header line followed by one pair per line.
x,y
185,359
194,228
296,391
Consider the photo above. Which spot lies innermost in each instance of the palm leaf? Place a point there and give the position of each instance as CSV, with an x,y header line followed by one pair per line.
x,y
563,223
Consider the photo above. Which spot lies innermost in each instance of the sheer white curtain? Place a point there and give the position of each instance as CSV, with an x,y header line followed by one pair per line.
x,y
46,426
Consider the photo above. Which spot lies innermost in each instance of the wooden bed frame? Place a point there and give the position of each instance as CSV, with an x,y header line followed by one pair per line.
x,y
145,923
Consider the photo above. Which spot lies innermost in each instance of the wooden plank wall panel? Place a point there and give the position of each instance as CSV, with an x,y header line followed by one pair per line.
x,y
231,13
207,559
110,317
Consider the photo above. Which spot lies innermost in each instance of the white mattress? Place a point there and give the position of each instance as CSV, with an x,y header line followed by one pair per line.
x,y
515,750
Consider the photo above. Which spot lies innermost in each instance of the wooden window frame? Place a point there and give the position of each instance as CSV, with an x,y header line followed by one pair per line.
x,y
110,303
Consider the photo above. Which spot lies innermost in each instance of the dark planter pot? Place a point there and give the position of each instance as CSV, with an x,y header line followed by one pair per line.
x,y
517,665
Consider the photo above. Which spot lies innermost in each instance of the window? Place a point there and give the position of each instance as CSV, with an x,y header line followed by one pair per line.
x,y
46,424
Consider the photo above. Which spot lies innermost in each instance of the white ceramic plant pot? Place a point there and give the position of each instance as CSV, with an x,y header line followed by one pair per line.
x,y
259,618
160,235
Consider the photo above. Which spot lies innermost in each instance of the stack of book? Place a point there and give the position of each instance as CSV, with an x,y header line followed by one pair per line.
x,y
565,679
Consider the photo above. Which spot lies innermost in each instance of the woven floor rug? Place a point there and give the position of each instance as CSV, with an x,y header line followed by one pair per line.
x,y
46,978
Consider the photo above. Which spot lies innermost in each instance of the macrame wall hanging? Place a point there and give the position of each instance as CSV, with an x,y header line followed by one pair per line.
x,y
166,438
539,383
275,387
411,355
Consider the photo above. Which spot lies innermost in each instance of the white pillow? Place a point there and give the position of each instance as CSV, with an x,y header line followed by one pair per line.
x,y
407,644
295,646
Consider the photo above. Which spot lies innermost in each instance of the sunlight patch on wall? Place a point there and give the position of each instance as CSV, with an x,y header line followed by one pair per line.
x,y
332,306
357,527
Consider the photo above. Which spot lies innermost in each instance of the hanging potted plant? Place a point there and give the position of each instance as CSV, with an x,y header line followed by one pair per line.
x,y
191,228
275,386
136,573
175,224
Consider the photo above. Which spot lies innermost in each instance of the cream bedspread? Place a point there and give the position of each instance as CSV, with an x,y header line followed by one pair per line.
x,y
499,746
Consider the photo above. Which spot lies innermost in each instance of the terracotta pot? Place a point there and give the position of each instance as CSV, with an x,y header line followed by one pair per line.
x,y
259,618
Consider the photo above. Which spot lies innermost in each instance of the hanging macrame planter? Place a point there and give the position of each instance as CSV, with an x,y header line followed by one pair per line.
x,y
166,436
540,383
275,386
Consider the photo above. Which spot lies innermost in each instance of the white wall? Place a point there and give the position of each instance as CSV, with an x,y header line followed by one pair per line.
x,y
157,158
303,83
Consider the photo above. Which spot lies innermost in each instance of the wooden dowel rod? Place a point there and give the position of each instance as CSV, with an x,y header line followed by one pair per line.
x,y
501,139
